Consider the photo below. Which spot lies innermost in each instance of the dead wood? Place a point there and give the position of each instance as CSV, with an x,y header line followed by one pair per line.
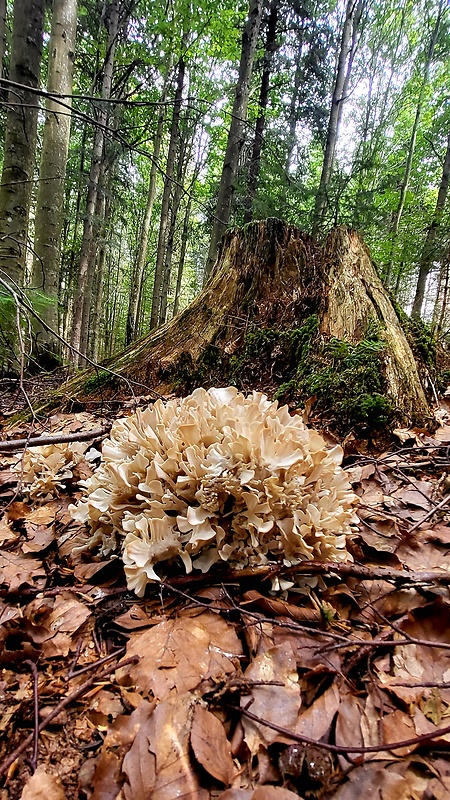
x,y
269,280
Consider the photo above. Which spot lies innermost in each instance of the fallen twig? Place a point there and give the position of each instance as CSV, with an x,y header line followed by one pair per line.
x,y
344,569
15,445
70,698
34,758
430,514
343,749
73,673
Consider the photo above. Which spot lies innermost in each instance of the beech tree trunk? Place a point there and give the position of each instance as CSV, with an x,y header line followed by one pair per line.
x,y
2,34
155,317
55,146
20,137
85,276
236,132
293,105
271,276
139,268
183,249
347,50
411,148
255,161
429,248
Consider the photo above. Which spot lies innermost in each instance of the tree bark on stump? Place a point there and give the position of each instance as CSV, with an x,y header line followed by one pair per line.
x,y
269,276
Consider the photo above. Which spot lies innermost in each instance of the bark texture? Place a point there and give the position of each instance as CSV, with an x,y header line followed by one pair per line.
x,y
236,132
20,137
255,161
353,14
55,146
411,149
156,316
85,272
270,276
429,253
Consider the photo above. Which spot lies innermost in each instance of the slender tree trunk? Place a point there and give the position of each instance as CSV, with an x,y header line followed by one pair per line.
x,y
104,212
183,249
176,199
55,147
429,248
236,131
2,34
445,275
411,148
255,163
353,15
293,106
138,273
20,137
66,291
84,290
165,204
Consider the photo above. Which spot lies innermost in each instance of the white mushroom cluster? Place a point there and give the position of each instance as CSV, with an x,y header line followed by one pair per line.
x,y
216,477
44,470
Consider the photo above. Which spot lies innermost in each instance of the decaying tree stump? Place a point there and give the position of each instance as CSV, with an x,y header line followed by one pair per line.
x,y
270,277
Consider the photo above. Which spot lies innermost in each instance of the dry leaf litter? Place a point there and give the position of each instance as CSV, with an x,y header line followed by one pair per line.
x,y
227,691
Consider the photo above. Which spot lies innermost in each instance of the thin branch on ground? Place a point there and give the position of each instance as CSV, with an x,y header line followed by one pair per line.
x,y
34,758
70,698
415,741
430,514
15,445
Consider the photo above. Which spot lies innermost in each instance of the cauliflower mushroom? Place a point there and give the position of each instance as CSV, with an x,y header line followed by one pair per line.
x,y
213,477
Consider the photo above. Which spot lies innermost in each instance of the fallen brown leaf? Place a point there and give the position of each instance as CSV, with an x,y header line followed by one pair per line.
x,y
139,764
211,746
178,654
43,786
170,743
316,720
17,571
272,703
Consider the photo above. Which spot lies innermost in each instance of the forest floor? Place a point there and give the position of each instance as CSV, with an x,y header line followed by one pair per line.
x,y
211,686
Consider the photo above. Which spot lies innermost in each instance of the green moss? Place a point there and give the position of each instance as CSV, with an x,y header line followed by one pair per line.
x,y
422,340
100,380
346,380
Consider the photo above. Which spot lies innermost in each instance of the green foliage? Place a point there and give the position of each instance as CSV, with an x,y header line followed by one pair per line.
x,y
11,315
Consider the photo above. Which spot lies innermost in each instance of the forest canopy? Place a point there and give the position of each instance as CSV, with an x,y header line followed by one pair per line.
x,y
135,133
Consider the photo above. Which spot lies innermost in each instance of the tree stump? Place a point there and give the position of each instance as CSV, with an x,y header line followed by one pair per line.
x,y
275,285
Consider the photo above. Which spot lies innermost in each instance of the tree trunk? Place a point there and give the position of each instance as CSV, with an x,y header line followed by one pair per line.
x,y
165,204
55,147
441,312
353,15
411,148
183,249
236,132
429,248
255,162
293,105
271,282
2,34
138,274
84,285
20,137
102,213
171,231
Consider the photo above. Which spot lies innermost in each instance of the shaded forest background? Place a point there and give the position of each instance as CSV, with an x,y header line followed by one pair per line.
x,y
135,132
